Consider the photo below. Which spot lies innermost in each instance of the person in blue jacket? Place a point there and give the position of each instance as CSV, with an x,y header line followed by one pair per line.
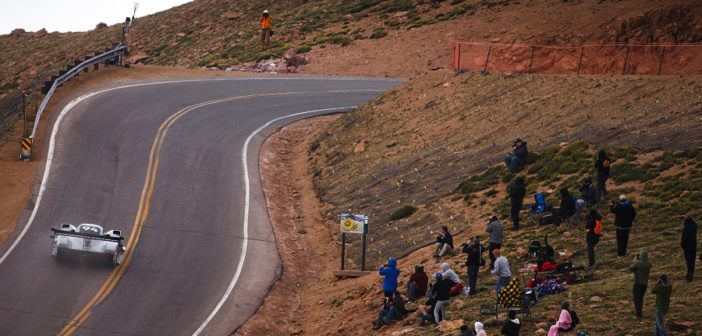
x,y
391,273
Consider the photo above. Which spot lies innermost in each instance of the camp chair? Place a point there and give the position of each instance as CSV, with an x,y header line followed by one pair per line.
x,y
528,297
579,216
490,310
539,205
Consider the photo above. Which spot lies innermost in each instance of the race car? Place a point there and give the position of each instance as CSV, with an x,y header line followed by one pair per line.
x,y
87,239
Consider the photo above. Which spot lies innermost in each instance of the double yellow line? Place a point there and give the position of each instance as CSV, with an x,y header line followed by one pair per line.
x,y
145,204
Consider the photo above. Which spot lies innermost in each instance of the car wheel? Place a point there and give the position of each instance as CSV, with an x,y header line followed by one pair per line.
x,y
118,257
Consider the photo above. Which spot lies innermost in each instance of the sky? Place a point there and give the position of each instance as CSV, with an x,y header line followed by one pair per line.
x,y
73,15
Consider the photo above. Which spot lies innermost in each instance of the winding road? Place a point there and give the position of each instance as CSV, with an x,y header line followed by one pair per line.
x,y
174,166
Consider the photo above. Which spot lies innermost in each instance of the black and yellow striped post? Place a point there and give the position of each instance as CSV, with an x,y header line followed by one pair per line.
x,y
26,149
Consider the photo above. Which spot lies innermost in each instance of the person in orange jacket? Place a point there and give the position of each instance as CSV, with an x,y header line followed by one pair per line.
x,y
265,29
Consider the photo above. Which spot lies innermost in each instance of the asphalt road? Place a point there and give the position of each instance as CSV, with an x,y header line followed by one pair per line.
x,y
192,241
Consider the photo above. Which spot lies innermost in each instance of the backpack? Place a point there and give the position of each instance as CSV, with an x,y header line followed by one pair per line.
x,y
606,163
598,227
574,318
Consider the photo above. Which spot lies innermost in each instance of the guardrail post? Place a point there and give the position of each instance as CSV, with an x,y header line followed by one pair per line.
x,y
626,60
487,59
660,63
580,63
531,61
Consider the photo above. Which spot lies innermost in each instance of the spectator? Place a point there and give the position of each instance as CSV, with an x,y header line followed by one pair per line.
x,y
624,214
518,157
417,283
501,270
391,312
444,242
480,329
641,269
564,320
602,164
567,208
441,293
465,331
662,290
688,242
448,274
473,263
495,229
517,191
512,325
592,237
589,193
426,312
265,29
391,273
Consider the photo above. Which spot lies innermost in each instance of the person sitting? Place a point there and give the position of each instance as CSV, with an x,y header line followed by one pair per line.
x,y
588,192
512,325
417,284
450,275
518,157
426,312
444,242
480,329
465,331
394,311
567,208
564,322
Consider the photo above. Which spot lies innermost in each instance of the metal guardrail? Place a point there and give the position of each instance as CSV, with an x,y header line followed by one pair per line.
x,y
113,54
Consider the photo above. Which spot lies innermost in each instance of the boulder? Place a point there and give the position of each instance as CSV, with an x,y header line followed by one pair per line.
x,y
596,299
403,332
458,304
40,33
17,32
541,332
232,15
100,25
446,325
181,34
360,147
137,58
541,325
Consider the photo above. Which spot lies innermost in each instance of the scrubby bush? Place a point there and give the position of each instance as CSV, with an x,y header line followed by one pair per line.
x,y
403,212
378,33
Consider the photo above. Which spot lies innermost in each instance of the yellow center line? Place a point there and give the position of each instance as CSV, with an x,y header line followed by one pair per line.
x,y
145,204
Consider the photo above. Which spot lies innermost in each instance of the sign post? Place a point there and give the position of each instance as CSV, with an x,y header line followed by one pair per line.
x,y
353,223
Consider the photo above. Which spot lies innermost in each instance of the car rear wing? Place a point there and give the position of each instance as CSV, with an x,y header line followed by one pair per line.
x,y
60,232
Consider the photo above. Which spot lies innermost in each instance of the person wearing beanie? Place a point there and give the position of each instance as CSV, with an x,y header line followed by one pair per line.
x,y
641,269
624,214
417,283
441,292
688,242
662,290
390,272
465,331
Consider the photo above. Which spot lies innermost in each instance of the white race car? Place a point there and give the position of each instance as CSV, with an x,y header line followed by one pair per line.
x,y
87,239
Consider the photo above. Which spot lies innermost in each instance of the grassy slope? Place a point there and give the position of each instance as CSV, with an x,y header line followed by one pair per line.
x,y
422,139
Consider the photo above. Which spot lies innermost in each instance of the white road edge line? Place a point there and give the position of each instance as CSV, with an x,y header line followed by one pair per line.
x,y
244,244
78,100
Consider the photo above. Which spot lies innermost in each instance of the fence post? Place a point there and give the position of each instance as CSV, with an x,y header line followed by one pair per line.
x,y
487,59
660,63
531,61
626,60
580,63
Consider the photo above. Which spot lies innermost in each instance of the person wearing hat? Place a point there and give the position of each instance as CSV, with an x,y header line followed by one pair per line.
x,y
624,214
266,31
417,283
519,156
441,292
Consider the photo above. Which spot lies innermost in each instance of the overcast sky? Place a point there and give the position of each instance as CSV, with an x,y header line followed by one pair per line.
x,y
73,15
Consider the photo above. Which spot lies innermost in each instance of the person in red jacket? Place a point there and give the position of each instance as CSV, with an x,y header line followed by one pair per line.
x,y
417,284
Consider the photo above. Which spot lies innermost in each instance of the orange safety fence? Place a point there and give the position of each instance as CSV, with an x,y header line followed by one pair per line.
x,y
590,59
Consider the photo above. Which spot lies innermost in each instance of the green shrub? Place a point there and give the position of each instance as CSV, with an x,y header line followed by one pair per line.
x,y
403,212
627,171
378,33
303,49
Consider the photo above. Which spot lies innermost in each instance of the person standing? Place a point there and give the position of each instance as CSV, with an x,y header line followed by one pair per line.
x,y
391,273
517,191
662,290
641,269
688,242
502,271
592,237
496,231
624,214
602,164
441,292
444,242
266,26
473,263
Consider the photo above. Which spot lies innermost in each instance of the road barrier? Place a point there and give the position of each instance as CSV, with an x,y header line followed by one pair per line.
x,y
589,59
111,56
